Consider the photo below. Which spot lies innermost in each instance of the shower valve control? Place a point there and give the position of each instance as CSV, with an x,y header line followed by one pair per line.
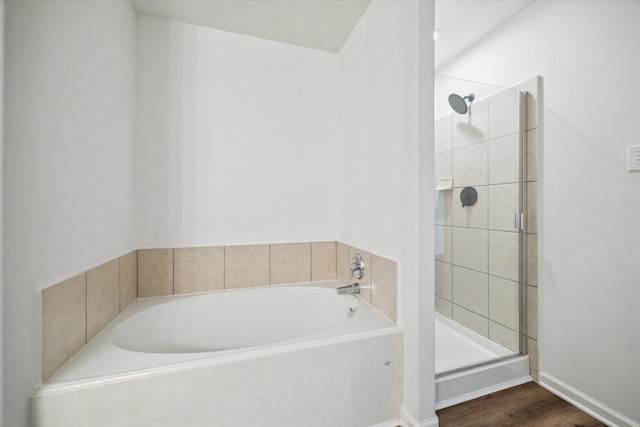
x,y
357,266
633,158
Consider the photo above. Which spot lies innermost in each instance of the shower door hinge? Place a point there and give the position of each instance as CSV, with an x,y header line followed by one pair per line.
x,y
518,221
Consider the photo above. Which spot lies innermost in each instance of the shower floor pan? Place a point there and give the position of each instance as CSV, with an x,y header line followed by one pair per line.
x,y
458,347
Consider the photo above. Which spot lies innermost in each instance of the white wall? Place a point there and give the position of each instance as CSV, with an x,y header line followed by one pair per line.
x,y
589,205
236,138
69,162
385,159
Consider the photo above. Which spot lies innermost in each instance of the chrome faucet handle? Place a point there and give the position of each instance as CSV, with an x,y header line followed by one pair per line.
x,y
354,268
357,266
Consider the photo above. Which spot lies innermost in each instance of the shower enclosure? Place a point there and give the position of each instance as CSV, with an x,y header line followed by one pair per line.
x,y
480,259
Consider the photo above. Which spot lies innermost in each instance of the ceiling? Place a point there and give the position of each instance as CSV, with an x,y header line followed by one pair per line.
x,y
326,24
317,24
464,22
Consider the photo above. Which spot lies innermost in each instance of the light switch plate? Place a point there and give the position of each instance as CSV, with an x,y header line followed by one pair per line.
x,y
633,158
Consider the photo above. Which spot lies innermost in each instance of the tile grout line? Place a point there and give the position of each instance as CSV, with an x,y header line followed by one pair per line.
x,y
270,264
336,266
311,261
119,284
173,271
224,283
86,307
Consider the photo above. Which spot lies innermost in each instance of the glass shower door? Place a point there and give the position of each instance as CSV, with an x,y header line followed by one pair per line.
x,y
479,174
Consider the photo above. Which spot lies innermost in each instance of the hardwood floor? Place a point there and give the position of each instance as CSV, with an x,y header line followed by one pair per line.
x,y
527,405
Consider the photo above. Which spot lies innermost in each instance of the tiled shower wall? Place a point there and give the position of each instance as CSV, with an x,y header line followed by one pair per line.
x,y
76,310
477,246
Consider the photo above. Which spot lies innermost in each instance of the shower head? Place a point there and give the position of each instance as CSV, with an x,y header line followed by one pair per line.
x,y
458,103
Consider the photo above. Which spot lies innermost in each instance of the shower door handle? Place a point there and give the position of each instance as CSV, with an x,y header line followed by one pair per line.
x,y
518,221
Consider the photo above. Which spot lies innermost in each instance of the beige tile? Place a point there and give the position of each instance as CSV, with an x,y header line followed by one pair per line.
x,y
444,243
503,255
532,154
246,266
290,263
471,320
128,279
323,260
444,207
443,128
103,296
444,307
470,166
532,351
532,210
471,128
504,201
471,290
444,280
365,282
384,279
155,272
532,312
442,166
470,248
504,160
532,259
531,111
504,307
470,216
506,337
64,322
198,269
504,113
530,85
343,262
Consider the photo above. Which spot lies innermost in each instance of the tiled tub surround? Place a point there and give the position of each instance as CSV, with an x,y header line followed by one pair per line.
x,y
75,310
477,246
204,269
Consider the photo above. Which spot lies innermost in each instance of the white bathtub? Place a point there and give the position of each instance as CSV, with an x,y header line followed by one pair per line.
x,y
274,356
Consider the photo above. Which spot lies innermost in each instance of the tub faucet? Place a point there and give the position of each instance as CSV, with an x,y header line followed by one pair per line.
x,y
353,288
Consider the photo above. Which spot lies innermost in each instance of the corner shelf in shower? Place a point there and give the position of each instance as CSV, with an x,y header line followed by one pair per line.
x,y
445,184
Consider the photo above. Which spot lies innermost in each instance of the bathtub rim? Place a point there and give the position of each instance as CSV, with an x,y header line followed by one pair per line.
x,y
175,367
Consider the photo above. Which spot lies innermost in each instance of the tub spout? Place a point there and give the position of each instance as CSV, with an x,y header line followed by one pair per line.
x,y
353,288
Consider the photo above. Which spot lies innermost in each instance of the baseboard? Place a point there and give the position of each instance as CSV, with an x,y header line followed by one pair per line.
x,y
392,423
589,405
406,420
